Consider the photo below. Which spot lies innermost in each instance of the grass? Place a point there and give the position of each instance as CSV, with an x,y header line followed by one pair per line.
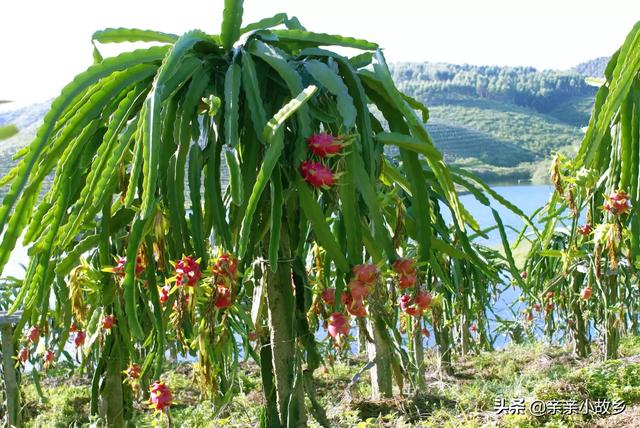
x,y
531,371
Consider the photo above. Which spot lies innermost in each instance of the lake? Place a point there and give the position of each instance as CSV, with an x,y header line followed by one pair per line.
x,y
526,197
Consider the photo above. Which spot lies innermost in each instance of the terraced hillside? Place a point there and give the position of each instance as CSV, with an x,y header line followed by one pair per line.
x,y
524,128
504,123
459,143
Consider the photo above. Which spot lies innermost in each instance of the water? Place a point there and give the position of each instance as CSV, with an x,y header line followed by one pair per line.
x,y
526,197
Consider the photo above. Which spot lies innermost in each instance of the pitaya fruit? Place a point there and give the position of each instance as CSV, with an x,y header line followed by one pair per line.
x,y
108,321
617,203
323,144
317,175
585,229
366,273
338,325
328,296
134,371
160,396
407,280
404,266
79,339
223,297
33,334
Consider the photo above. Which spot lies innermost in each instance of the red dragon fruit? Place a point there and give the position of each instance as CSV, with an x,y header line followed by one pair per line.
x,y
118,269
48,358
317,175
423,300
223,297
33,334
408,306
404,266
366,273
160,396
585,293
134,371
328,296
338,325
617,203
108,321
407,280
354,306
23,354
164,293
324,145
358,289
80,338
225,266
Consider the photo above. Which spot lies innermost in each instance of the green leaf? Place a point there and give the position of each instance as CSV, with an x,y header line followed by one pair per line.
x,y
275,20
285,112
231,22
152,129
79,85
409,143
231,99
329,79
7,131
322,39
321,229
120,35
251,87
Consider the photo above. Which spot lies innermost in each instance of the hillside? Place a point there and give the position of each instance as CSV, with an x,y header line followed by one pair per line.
x,y
592,68
507,120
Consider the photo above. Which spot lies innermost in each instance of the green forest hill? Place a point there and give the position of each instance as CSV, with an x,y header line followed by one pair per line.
x,y
500,122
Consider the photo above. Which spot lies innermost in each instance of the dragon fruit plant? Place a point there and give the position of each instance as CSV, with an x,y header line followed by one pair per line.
x,y
197,265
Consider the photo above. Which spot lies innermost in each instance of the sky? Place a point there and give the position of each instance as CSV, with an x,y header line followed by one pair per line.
x,y
44,43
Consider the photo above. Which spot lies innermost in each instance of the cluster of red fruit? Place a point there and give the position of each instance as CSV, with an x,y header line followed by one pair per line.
x,y
362,282
407,278
617,203
364,277
317,174
80,335
225,273
33,336
187,273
